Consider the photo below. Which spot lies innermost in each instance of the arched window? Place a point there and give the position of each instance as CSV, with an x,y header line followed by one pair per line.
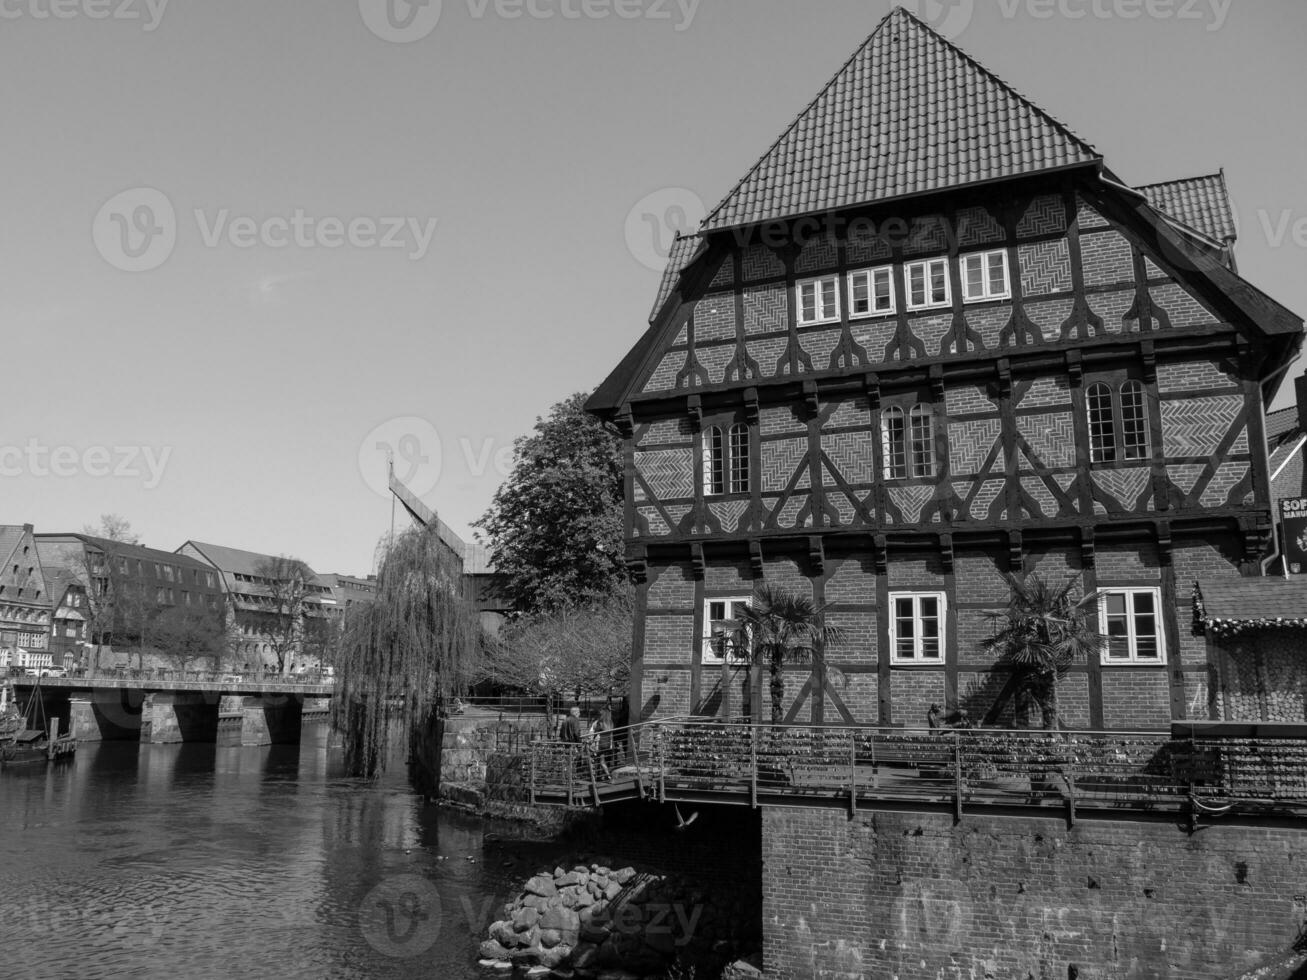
x,y
1134,421
726,460
739,459
714,462
1102,424
1118,422
908,440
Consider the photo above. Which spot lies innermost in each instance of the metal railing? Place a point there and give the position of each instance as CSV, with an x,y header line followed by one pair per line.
x,y
744,763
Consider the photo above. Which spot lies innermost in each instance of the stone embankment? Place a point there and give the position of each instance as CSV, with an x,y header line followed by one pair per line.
x,y
601,922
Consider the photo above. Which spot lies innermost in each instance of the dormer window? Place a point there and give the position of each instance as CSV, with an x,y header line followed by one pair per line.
x,y
928,284
985,276
818,300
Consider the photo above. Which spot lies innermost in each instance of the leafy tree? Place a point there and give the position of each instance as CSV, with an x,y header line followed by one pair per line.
x,y
568,652
555,527
287,584
1043,630
404,652
187,636
777,628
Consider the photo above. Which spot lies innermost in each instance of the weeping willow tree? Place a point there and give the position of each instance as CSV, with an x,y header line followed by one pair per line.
x,y
401,655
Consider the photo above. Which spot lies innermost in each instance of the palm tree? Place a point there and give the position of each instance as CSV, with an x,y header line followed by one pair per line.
x,y
777,628
1040,634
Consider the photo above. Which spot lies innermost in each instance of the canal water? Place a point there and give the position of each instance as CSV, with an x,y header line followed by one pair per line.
x,y
166,861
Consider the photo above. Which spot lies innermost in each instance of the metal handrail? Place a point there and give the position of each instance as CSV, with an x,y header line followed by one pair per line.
x,y
1074,769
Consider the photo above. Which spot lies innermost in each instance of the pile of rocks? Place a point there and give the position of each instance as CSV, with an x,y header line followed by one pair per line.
x,y
597,921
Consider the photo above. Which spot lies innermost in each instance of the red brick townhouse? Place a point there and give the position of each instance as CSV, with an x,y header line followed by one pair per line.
x,y
929,339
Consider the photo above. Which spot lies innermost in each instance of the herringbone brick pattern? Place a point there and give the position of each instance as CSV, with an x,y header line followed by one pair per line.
x,y
728,512
927,236
761,262
910,501
970,444
1124,486
1045,216
725,275
1045,268
1051,437
780,459
818,255
976,226
669,472
766,309
851,452
867,250
1196,426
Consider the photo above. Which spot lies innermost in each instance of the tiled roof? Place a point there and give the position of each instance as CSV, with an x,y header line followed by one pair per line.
x,y
1202,203
684,248
1281,423
1247,600
909,113
11,536
234,560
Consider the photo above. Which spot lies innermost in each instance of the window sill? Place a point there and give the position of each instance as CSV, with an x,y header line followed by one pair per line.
x,y
933,306
1133,663
819,323
916,664
881,315
976,301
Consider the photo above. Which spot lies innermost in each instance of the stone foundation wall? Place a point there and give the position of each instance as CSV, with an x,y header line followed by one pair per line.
x,y
911,896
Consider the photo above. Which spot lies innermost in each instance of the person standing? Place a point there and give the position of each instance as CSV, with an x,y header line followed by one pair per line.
x,y
599,741
570,729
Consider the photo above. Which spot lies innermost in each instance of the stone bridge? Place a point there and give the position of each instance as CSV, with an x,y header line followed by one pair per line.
x,y
235,710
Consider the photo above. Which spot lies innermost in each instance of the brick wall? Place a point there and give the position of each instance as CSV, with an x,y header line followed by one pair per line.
x,y
913,897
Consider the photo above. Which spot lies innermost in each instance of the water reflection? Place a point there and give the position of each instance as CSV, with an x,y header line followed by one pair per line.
x,y
200,861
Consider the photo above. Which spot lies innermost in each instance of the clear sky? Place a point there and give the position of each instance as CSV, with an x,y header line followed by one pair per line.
x,y
237,390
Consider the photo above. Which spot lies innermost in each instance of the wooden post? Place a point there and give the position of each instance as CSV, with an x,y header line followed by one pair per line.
x,y
533,773
594,783
875,769
662,771
54,738
1070,796
571,773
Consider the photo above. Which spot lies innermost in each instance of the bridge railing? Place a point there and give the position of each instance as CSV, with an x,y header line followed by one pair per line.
x,y
118,674
746,763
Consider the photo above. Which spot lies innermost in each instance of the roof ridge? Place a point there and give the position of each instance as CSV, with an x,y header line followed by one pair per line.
x,y
799,118
1219,175
900,14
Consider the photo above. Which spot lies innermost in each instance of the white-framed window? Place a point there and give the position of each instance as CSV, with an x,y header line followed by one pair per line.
x,y
908,441
725,460
916,627
985,276
720,619
819,300
1131,620
871,292
928,284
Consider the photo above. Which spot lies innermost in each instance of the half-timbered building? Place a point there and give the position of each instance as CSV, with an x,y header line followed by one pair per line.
x,y
930,339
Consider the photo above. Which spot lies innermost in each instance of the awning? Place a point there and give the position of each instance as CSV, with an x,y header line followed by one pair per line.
x,y
1227,607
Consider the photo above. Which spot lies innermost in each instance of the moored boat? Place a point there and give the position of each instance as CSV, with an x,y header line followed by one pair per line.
x,y
32,744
